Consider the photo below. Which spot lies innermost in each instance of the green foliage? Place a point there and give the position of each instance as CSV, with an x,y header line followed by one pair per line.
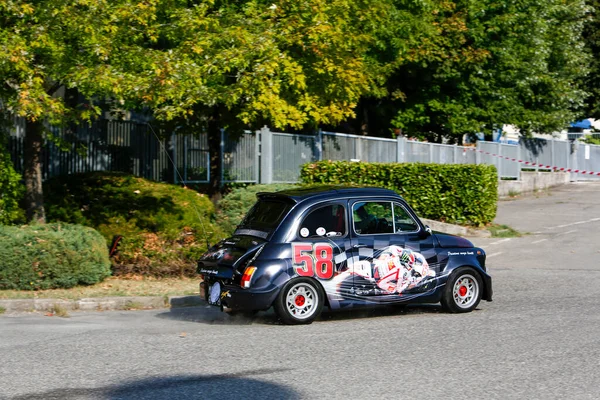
x,y
11,191
483,63
162,225
51,256
462,194
234,206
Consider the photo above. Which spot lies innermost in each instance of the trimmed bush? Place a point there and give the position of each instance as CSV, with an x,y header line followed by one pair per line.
x,y
460,194
163,226
233,207
51,256
11,191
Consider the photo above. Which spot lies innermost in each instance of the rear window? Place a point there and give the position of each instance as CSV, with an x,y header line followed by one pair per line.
x,y
264,217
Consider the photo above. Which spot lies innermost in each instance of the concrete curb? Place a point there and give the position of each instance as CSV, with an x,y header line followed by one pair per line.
x,y
100,303
456,229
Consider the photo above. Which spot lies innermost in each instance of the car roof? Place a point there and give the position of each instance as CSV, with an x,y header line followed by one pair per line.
x,y
327,192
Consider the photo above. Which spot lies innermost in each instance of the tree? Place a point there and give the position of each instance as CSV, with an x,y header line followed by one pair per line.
x,y
207,64
591,36
287,63
46,48
485,63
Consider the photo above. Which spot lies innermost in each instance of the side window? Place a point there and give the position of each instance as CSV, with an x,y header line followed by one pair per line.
x,y
373,217
324,221
403,222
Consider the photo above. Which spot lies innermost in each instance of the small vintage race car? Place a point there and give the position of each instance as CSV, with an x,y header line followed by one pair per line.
x,y
300,250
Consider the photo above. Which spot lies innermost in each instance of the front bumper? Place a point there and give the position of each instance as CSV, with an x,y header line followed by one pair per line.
x,y
487,291
234,298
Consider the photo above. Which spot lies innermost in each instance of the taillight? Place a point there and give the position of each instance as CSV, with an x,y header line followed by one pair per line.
x,y
247,277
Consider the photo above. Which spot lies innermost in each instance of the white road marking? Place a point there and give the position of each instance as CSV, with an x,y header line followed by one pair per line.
x,y
566,233
574,223
494,254
539,241
500,241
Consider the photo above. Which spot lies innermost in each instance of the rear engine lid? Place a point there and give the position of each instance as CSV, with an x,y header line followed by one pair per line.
x,y
223,259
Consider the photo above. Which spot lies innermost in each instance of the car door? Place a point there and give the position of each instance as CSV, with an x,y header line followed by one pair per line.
x,y
393,255
319,249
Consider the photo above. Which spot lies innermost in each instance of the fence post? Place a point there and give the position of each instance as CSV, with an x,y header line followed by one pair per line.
x,y
257,157
174,152
430,148
319,145
185,161
222,152
455,153
266,155
400,148
574,161
500,161
477,153
519,158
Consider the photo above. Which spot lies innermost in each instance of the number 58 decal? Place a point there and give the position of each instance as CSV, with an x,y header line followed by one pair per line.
x,y
313,259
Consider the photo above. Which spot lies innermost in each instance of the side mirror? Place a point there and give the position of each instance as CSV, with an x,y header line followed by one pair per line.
x,y
428,229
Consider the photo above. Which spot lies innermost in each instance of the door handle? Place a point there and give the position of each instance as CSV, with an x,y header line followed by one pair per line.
x,y
358,246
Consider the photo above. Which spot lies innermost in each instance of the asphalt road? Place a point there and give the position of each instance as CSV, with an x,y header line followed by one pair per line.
x,y
538,339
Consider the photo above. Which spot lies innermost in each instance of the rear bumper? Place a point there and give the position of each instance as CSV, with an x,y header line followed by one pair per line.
x,y
237,299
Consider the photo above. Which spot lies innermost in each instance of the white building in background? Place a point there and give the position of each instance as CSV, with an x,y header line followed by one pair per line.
x,y
578,129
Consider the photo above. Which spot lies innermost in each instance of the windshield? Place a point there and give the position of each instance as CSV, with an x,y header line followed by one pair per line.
x,y
264,216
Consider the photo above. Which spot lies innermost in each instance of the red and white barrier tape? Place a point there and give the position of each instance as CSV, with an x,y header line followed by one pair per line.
x,y
577,171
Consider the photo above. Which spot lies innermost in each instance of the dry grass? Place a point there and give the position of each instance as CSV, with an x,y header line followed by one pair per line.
x,y
118,287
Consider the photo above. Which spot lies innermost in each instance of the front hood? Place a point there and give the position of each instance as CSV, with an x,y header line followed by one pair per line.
x,y
224,258
447,240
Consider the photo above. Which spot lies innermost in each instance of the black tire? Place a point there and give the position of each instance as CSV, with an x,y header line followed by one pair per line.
x,y
300,301
463,291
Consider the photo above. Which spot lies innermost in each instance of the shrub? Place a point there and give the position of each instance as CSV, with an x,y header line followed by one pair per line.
x,y
232,208
11,191
462,194
163,226
51,256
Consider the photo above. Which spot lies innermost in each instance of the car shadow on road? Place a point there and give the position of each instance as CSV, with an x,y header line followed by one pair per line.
x,y
179,387
214,316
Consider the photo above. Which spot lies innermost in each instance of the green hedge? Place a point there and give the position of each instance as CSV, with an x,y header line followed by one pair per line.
x,y
233,207
163,226
461,194
11,191
51,256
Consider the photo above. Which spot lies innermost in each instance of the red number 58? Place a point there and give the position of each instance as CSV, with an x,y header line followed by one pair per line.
x,y
313,259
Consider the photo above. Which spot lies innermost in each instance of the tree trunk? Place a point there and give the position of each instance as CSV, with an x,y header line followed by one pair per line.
x,y
34,196
214,149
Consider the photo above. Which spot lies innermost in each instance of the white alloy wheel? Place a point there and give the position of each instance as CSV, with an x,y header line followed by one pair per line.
x,y
301,301
466,291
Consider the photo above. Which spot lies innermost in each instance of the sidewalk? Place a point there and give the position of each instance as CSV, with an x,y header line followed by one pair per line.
x,y
100,303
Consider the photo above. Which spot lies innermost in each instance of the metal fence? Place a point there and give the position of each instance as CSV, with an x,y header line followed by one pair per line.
x,y
266,157
117,146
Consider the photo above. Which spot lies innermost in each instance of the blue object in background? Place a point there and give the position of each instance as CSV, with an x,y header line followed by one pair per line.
x,y
583,124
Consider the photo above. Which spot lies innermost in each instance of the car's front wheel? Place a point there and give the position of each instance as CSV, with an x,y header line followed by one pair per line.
x,y
462,292
299,302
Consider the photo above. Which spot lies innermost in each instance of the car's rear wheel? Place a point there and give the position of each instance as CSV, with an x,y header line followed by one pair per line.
x,y
299,302
462,292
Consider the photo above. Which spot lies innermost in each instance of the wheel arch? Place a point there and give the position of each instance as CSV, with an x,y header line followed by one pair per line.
x,y
485,279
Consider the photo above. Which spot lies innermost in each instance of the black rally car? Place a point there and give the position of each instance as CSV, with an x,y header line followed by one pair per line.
x,y
299,250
